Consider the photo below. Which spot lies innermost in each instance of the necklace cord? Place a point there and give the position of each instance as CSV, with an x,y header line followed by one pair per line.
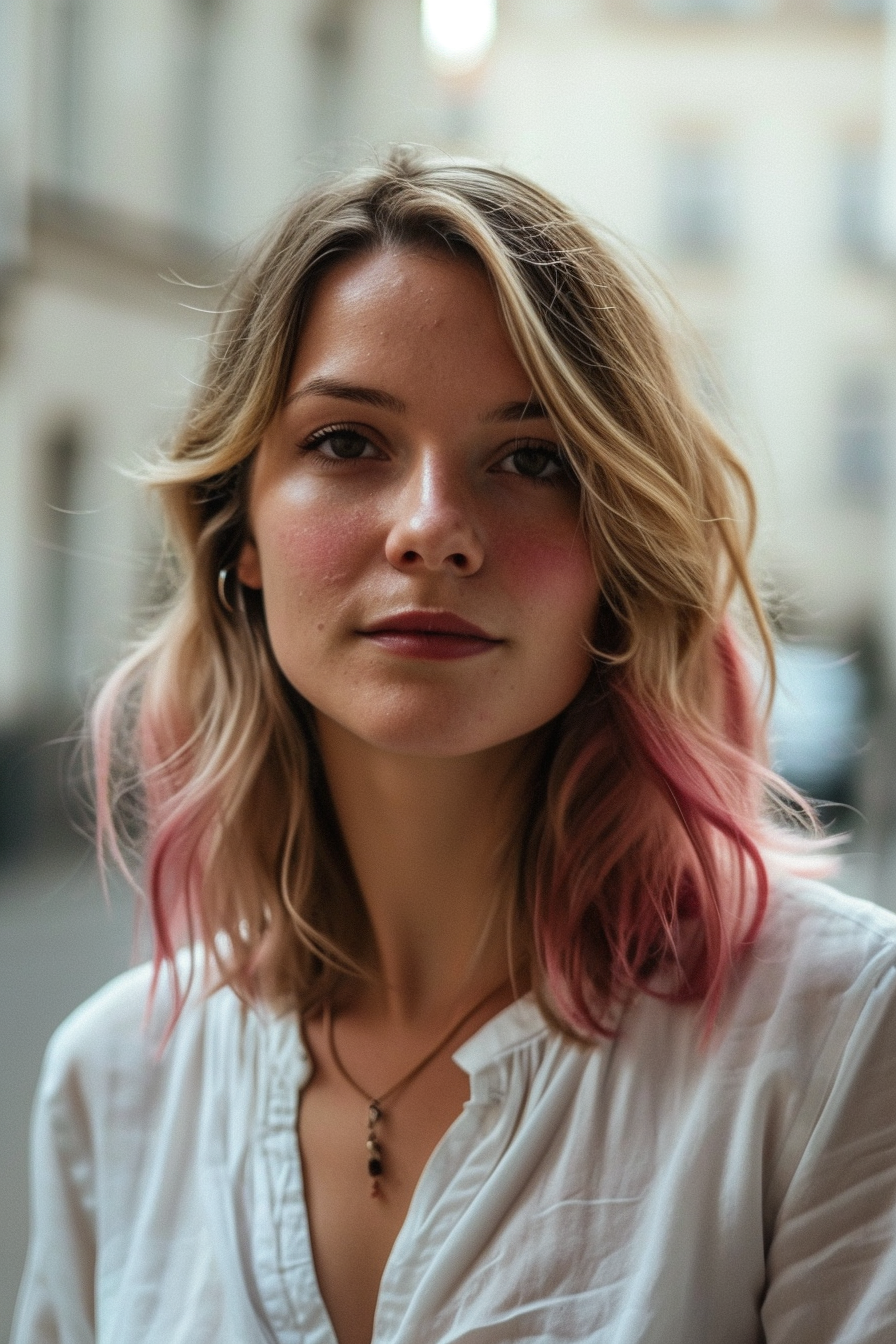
x,y
397,1088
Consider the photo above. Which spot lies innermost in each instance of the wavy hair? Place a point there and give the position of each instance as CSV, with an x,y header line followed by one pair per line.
x,y
641,863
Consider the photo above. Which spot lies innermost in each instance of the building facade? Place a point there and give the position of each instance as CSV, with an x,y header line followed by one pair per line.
x,y
737,145
734,143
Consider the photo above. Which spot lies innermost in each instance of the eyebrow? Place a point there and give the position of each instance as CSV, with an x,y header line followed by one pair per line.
x,y
331,387
517,410
373,396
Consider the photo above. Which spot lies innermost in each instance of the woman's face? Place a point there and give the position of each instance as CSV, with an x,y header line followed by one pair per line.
x,y
426,582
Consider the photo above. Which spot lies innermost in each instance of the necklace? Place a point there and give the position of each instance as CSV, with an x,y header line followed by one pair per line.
x,y
375,1111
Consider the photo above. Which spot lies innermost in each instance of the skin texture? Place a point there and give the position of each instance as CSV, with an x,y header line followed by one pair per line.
x,y
434,516
439,489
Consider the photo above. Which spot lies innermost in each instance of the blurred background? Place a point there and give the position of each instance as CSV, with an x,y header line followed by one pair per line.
x,y
745,148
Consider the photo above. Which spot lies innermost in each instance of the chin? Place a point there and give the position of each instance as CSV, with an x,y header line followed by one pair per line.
x,y
415,737
423,725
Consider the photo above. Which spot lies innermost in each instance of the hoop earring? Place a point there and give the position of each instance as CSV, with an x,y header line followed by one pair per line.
x,y
223,575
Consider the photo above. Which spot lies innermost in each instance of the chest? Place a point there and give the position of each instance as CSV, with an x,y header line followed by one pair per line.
x,y
352,1232
575,1199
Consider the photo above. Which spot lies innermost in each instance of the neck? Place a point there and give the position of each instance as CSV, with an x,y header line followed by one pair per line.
x,y
428,843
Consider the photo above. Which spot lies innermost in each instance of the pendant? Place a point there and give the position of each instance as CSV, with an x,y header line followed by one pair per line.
x,y
374,1151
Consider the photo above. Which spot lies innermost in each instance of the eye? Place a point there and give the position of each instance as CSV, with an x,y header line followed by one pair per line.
x,y
340,443
537,461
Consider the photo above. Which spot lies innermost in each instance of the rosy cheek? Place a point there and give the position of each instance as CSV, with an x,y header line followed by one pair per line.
x,y
540,565
313,545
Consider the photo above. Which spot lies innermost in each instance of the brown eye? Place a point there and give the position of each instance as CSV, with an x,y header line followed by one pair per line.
x,y
344,445
535,462
347,445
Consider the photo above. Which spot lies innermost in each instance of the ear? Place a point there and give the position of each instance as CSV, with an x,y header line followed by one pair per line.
x,y
248,566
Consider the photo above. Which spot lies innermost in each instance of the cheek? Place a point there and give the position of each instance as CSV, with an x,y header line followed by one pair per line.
x,y
553,585
558,575
309,547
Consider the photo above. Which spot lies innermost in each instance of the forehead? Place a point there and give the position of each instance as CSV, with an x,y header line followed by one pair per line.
x,y
406,312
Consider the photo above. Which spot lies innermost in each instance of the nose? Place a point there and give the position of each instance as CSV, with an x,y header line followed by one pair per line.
x,y
434,527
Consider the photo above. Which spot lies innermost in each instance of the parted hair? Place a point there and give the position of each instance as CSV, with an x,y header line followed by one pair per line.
x,y
641,861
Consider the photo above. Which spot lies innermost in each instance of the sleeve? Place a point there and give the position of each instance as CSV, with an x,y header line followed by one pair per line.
x,y
832,1258
56,1298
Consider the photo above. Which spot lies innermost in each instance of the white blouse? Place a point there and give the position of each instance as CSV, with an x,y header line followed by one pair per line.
x,y
649,1190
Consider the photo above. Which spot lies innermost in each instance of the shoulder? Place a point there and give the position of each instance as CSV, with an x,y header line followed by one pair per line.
x,y
116,1052
79,1052
118,1142
816,938
813,989
815,1034
114,1013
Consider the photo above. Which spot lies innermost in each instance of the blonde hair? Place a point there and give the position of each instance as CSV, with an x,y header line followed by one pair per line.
x,y
642,850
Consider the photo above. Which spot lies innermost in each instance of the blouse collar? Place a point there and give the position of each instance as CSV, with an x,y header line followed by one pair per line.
x,y
516,1024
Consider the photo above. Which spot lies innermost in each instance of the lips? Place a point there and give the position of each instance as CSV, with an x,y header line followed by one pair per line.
x,y
430,634
429,623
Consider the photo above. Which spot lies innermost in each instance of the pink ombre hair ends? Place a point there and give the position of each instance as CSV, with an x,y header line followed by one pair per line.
x,y
641,865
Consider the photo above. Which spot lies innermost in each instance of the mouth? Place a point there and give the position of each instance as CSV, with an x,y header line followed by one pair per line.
x,y
430,634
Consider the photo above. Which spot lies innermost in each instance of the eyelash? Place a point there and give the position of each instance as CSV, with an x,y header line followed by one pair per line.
x,y
320,436
539,446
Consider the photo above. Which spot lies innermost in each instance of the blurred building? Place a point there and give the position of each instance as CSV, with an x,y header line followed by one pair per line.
x,y
739,145
888,214
137,146
736,143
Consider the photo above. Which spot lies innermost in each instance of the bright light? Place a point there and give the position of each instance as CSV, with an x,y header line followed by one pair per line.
x,y
458,33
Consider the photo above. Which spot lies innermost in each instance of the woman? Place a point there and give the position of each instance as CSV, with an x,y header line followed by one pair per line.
x,y
448,766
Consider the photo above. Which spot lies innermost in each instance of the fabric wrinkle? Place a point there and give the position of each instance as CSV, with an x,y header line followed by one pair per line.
x,y
652,1189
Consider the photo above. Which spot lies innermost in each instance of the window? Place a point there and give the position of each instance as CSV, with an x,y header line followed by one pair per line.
x,y
63,471
698,201
67,90
858,201
859,9
327,56
708,9
200,32
861,435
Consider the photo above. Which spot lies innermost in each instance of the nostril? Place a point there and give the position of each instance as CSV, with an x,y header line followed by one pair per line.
x,y
458,560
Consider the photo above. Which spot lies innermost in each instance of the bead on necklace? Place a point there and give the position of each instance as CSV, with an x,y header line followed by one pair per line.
x,y
375,1105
